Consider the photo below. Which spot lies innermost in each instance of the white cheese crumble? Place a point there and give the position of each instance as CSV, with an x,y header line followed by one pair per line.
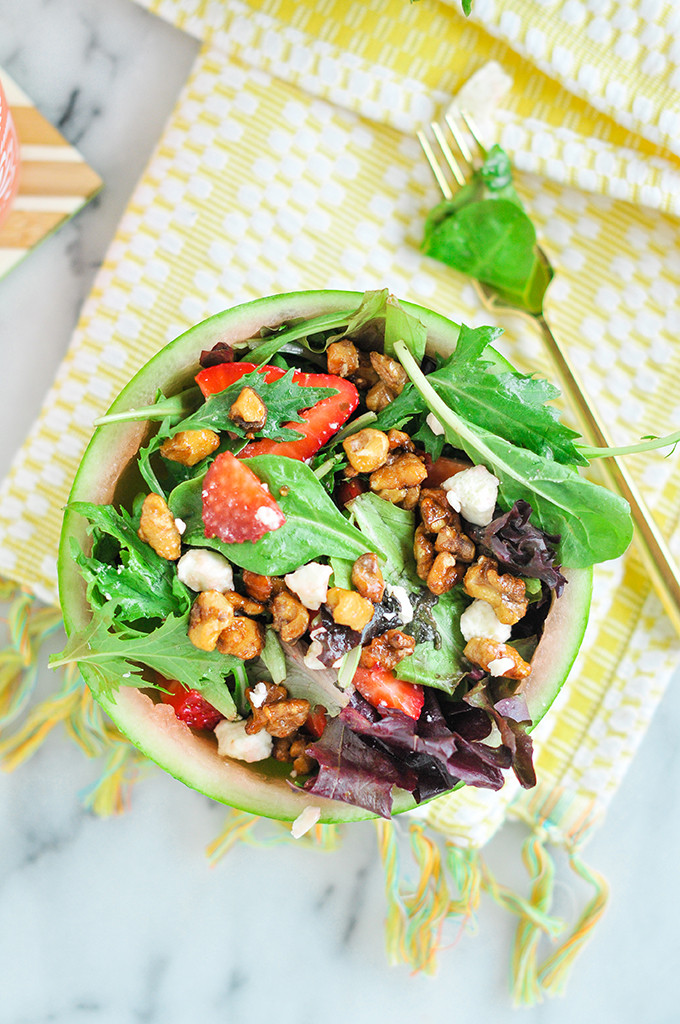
x,y
258,695
268,517
201,569
180,526
310,583
305,820
433,423
405,606
234,741
499,666
473,493
311,658
479,619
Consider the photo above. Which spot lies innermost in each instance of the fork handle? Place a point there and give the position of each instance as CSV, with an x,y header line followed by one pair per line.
x,y
656,556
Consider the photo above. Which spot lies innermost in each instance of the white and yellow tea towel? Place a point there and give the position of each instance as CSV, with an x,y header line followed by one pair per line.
x,y
290,162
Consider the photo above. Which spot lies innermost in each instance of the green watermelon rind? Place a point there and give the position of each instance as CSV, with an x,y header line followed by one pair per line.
x,y
153,728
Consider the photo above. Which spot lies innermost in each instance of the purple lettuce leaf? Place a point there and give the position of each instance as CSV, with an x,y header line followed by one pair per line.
x,y
520,547
512,719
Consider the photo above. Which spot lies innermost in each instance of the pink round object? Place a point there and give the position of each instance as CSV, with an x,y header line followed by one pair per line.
x,y
9,158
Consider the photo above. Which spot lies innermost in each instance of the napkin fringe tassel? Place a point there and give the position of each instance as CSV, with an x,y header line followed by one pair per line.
x,y
449,884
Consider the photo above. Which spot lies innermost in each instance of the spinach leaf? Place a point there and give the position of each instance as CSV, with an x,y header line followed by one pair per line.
x,y
438,662
594,524
132,579
118,658
390,530
284,398
402,326
314,527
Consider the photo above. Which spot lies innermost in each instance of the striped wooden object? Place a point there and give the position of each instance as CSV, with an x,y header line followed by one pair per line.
x,y
55,181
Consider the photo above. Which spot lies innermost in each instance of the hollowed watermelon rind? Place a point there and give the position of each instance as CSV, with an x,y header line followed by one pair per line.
x,y
154,729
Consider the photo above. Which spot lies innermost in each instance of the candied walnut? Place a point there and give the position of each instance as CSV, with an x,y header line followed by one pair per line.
x,y
379,397
387,650
284,717
367,577
243,605
349,608
190,446
259,587
407,471
423,551
451,538
435,510
258,696
365,377
410,499
400,439
248,411
498,658
210,614
444,574
366,450
244,638
280,748
505,593
343,358
158,529
390,372
291,618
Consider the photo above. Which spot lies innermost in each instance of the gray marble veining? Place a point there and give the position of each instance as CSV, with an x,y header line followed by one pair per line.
x,y
122,921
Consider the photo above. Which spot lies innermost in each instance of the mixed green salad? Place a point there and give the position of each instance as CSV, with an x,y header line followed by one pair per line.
x,y
337,551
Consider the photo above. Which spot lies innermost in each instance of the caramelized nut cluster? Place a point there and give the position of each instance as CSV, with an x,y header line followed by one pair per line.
x,y
441,549
396,471
282,717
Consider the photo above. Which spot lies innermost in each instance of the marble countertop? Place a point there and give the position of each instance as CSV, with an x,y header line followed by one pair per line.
x,y
122,920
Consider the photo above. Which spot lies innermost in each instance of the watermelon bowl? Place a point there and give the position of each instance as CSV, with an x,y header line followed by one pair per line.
x,y
105,476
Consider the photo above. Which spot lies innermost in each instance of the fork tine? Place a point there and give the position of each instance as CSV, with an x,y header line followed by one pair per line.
x,y
450,159
459,138
474,132
434,165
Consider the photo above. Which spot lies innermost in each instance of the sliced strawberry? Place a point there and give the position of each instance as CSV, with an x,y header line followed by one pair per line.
x,y
236,505
191,707
382,689
316,721
317,425
442,469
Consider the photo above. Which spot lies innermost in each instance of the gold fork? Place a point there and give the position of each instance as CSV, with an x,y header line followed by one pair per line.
x,y
651,545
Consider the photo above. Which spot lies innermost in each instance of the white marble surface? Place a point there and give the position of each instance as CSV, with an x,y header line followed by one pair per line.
x,y
121,920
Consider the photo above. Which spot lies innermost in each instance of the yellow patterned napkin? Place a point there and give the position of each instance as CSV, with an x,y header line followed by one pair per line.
x,y
290,162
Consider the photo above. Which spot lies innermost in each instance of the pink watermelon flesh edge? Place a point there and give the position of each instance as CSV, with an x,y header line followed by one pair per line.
x,y
189,756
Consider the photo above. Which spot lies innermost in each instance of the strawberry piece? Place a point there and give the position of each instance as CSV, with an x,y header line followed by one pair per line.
x,y
191,707
348,490
317,424
316,721
442,469
236,505
382,689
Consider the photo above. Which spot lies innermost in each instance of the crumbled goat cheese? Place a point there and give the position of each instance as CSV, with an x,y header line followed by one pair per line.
x,y
473,493
405,606
433,423
267,517
311,658
310,583
499,666
258,695
304,821
181,526
201,569
234,741
479,619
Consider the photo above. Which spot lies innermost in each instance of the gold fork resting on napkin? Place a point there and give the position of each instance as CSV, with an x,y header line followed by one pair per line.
x,y
651,545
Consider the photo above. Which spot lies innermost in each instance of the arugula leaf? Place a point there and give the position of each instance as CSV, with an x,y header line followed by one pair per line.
x,y
390,530
138,583
314,527
284,398
400,325
177,406
117,659
594,524
438,662
263,351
